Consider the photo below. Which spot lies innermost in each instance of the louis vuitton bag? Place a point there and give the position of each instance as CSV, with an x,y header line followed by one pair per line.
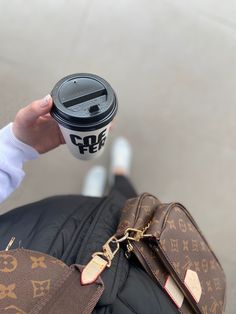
x,y
172,249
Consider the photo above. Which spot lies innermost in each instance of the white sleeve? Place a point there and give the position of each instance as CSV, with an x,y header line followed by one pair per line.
x,y
13,154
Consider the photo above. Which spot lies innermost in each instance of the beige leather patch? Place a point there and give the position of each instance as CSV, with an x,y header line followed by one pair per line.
x,y
93,269
174,292
192,283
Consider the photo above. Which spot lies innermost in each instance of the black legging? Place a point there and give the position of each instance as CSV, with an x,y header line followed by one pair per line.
x,y
123,185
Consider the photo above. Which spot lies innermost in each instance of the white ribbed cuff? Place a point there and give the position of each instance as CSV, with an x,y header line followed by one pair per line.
x,y
27,151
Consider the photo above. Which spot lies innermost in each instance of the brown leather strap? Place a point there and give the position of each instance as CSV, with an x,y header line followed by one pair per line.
x,y
70,296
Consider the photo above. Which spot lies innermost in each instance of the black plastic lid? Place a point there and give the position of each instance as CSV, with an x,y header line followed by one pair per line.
x,y
83,102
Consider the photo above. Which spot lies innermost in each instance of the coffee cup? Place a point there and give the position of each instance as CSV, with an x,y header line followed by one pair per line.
x,y
84,106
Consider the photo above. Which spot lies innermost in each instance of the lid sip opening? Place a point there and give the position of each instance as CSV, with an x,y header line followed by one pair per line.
x,y
83,101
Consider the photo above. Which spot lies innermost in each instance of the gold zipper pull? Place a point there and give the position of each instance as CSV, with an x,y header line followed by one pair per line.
x,y
129,250
10,243
133,234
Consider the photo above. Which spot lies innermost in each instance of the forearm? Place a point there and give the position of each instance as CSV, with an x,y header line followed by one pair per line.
x,y
13,154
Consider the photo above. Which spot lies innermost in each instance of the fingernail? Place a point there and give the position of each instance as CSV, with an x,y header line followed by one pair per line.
x,y
45,101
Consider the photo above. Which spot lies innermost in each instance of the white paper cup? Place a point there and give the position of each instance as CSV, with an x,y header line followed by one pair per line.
x,y
84,106
86,145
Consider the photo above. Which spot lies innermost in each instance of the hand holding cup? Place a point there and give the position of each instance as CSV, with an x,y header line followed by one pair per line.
x,y
84,105
33,125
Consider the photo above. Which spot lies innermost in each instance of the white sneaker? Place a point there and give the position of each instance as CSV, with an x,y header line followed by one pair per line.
x,y
95,181
121,155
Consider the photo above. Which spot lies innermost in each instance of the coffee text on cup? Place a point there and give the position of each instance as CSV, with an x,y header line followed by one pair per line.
x,y
89,143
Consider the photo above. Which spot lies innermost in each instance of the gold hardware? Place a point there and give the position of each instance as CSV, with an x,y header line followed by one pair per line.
x,y
10,243
145,228
123,238
133,234
137,234
110,248
109,252
130,248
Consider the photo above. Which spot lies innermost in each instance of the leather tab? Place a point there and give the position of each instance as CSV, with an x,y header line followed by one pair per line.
x,y
193,284
93,269
174,292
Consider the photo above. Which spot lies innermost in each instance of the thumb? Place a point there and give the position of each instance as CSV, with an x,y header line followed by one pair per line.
x,y
36,109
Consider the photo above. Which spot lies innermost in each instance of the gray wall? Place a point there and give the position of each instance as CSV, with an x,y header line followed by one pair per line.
x,y
172,64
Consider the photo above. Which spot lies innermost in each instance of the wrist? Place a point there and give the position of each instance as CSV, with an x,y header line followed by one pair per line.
x,y
28,151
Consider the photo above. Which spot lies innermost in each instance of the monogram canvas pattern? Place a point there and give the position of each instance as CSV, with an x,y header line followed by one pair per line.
x,y
174,246
8,263
36,283
19,294
185,248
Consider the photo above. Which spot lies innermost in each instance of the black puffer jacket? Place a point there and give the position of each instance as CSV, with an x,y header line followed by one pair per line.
x,y
71,228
